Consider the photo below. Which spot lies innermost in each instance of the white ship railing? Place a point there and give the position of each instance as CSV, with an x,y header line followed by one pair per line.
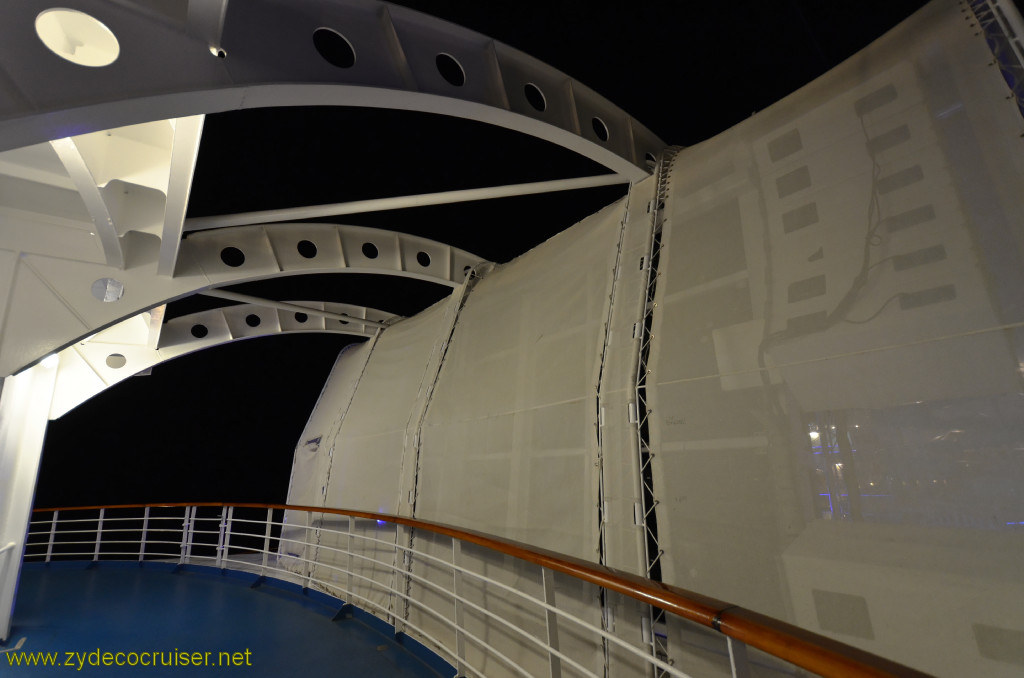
x,y
437,588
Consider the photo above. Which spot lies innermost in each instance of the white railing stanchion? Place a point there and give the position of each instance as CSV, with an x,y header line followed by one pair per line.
x,y
311,562
145,533
227,536
193,510
460,640
547,578
184,535
99,537
222,525
348,550
53,534
266,541
738,660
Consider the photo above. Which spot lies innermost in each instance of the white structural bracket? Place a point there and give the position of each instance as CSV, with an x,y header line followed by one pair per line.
x,y
85,183
184,152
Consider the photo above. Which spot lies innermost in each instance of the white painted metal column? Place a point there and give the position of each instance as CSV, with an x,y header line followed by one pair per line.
x,y
24,411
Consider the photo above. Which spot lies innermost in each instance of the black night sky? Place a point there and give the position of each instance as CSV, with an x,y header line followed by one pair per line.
x,y
221,425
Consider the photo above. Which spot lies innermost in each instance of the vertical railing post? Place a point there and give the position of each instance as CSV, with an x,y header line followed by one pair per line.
x,y
145,533
351,559
99,537
647,636
266,541
460,641
547,578
227,536
191,532
53,535
738,660
309,556
220,536
184,535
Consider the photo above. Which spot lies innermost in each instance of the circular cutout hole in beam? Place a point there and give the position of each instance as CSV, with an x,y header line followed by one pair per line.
x,y
423,259
334,48
253,320
535,97
77,37
199,331
370,250
116,361
600,129
450,69
301,317
306,248
232,256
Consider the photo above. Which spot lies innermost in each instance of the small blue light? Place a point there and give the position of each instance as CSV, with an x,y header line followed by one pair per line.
x,y
381,522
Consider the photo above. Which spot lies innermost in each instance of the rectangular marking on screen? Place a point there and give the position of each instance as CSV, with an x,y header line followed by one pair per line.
x,y
925,255
900,179
801,217
880,97
918,215
1002,645
785,145
794,181
808,288
933,295
887,140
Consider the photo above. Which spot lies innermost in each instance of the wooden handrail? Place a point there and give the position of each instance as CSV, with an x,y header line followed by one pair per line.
x,y
791,643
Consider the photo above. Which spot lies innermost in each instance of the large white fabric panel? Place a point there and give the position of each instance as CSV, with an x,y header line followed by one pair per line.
x,y
313,453
369,447
369,450
311,465
836,357
509,442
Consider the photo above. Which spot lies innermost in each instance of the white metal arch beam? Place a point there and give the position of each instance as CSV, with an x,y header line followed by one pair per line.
x,y
52,301
263,251
165,69
89,367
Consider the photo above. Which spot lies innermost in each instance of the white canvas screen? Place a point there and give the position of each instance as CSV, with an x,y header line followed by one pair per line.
x,y
837,418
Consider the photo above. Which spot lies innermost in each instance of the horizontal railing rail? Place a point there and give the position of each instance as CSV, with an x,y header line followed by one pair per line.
x,y
742,627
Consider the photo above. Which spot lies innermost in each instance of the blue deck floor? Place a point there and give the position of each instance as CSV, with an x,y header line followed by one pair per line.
x,y
122,607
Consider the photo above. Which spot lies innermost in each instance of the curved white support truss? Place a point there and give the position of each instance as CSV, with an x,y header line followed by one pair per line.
x,y
53,300
399,59
88,367
267,250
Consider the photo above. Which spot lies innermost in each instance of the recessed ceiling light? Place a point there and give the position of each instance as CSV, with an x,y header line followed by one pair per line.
x,y
77,37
